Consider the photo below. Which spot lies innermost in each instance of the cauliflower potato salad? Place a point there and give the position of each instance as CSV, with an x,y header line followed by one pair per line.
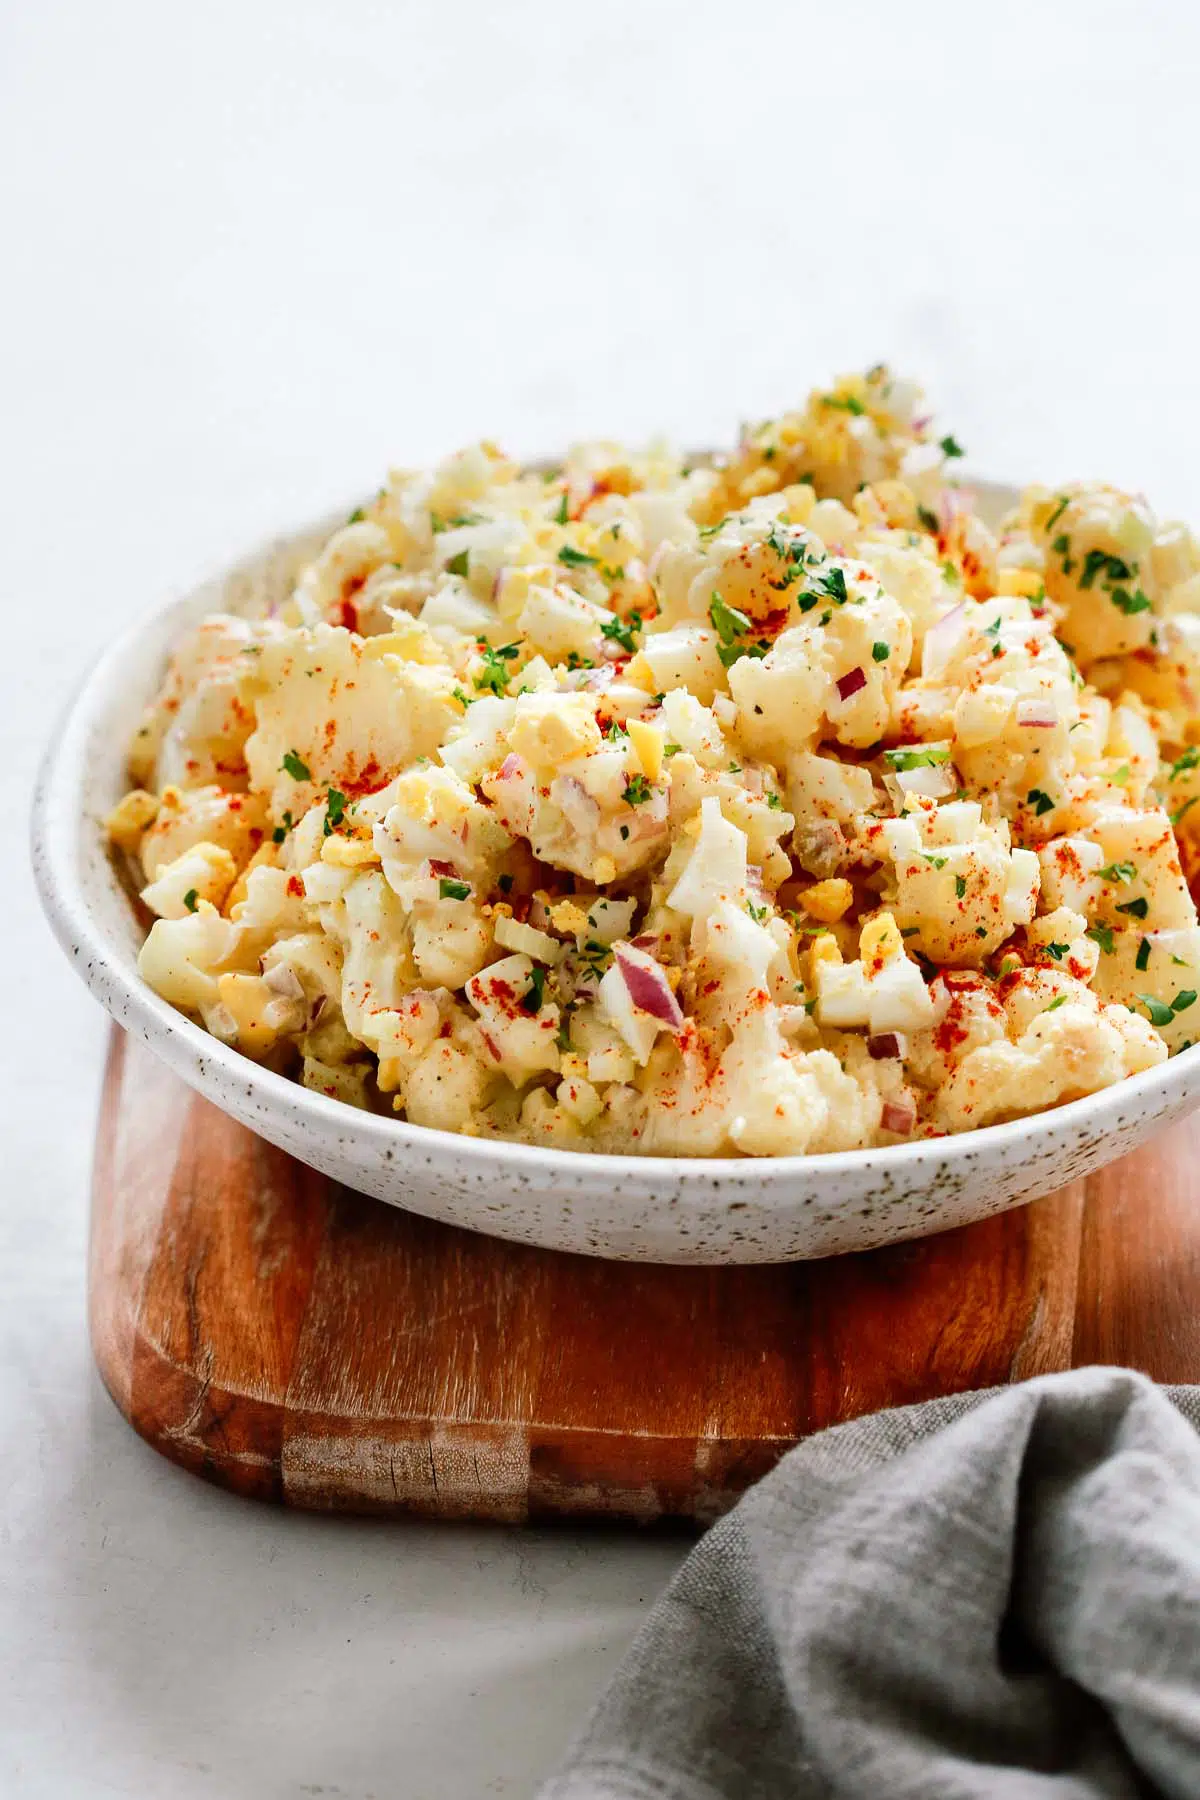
x,y
766,804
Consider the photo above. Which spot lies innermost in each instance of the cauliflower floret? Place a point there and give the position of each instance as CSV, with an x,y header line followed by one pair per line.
x,y
334,711
350,556
447,1088
1124,870
208,815
957,885
762,1098
1097,542
1064,1043
205,872
836,674
182,957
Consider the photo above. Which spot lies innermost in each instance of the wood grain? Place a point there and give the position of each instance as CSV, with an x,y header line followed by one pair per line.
x,y
293,1341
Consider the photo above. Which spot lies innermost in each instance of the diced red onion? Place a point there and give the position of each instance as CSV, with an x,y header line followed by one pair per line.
x,y
578,807
851,684
648,940
888,1046
899,1116
752,780
934,780
434,865
511,767
821,847
648,986
951,502
1042,713
942,639
283,980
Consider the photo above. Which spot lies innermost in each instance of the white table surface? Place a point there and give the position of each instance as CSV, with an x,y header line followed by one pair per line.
x,y
253,252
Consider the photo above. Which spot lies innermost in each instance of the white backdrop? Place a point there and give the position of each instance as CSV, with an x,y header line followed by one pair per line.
x,y
253,252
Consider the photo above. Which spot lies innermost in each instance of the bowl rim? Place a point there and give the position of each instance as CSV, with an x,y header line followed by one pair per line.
x,y
59,820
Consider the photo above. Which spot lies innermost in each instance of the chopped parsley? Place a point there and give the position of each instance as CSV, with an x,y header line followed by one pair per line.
x,y
1137,909
880,652
843,403
939,862
950,447
191,899
1189,760
561,515
1058,1000
532,1000
281,831
295,767
595,957
1142,960
1057,951
927,757
1061,544
1040,802
731,627
1098,562
1064,500
464,700
494,675
637,791
1162,1014
1118,871
576,559
621,631
1102,935
757,913
833,584
1180,810
728,622
774,802
460,564
356,517
1129,603
449,889
929,520
335,810
960,885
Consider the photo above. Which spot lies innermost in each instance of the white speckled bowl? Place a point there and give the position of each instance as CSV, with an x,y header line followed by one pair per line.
x,y
651,1209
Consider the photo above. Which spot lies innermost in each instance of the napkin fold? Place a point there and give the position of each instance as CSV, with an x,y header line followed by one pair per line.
x,y
996,1594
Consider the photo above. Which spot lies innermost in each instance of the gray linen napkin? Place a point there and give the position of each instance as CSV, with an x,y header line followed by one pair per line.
x,y
995,1594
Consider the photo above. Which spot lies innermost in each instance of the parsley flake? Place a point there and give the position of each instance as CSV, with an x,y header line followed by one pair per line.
x,y
191,899
295,767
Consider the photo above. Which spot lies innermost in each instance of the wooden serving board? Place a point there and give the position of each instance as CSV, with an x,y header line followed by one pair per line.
x,y
296,1342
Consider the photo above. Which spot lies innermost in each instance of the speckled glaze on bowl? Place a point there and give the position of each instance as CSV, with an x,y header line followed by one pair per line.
x,y
651,1209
